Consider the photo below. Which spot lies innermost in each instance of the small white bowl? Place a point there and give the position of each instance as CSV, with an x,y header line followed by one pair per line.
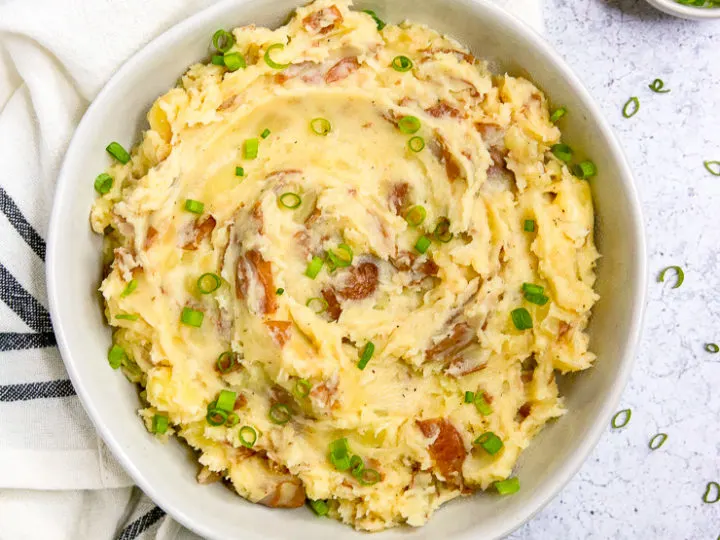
x,y
167,472
671,7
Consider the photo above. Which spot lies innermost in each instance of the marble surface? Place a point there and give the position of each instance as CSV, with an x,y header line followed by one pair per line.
x,y
625,491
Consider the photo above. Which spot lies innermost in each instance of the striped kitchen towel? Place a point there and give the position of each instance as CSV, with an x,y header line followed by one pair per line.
x,y
57,479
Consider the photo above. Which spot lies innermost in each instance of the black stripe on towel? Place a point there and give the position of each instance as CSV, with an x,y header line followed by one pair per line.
x,y
17,220
10,341
141,524
37,390
23,303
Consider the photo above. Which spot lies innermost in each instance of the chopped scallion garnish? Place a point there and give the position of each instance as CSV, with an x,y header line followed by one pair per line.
x,y
217,60
192,317
402,64
368,477
508,487
584,170
116,356
366,355
232,420
103,183
290,200
712,348
127,317
521,319
469,396
713,167
631,108
226,400
490,442
269,61
657,441
442,230
320,126
422,244
557,114
208,283
227,361
196,207
302,388
529,225
409,124
318,305
314,267
280,413
416,215
678,271
562,151
129,288
223,41
250,148
234,61
248,436
265,134
216,417
118,152
712,493
160,424
320,507
280,291
380,24
482,404
657,86
239,171
532,289
342,257
339,453
621,419
416,144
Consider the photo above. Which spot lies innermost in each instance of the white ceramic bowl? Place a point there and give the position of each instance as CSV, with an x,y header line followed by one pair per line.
x,y
167,472
671,7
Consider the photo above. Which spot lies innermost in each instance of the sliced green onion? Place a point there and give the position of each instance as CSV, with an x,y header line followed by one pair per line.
x,y
340,454
127,317
280,291
103,183
302,388
216,417
118,152
416,144
116,356
314,267
422,244
250,148
490,442
232,420
631,108
532,289
196,207
469,396
368,477
160,424
290,200
320,126
481,404
342,257
712,487
380,24
402,64
712,348
416,215
269,61
584,170
223,41
226,400
248,436
320,507
657,441
529,225
678,271
562,151
409,124
657,86
234,61
227,361
366,355
621,419
537,299
280,413
192,317
208,283
265,134
521,319
713,167
356,466
239,171
508,487
129,288
318,305
217,60
442,230
557,114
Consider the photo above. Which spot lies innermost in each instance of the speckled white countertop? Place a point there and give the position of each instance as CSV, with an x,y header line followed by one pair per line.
x,y
625,491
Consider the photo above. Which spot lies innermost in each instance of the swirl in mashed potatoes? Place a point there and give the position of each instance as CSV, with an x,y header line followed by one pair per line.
x,y
442,222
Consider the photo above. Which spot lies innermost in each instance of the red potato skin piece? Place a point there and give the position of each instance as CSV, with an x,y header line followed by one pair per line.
x,y
398,197
448,450
334,308
442,109
342,69
280,331
314,22
461,337
253,262
288,493
361,283
202,229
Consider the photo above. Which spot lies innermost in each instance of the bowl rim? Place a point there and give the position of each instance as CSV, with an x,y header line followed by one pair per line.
x,y
671,7
550,488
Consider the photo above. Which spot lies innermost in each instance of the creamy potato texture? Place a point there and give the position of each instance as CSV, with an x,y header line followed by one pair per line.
x,y
441,318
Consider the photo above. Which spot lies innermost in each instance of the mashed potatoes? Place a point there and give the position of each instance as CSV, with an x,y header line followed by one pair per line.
x,y
348,270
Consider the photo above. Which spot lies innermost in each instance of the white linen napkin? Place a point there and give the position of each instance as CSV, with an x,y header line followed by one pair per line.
x,y
57,479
